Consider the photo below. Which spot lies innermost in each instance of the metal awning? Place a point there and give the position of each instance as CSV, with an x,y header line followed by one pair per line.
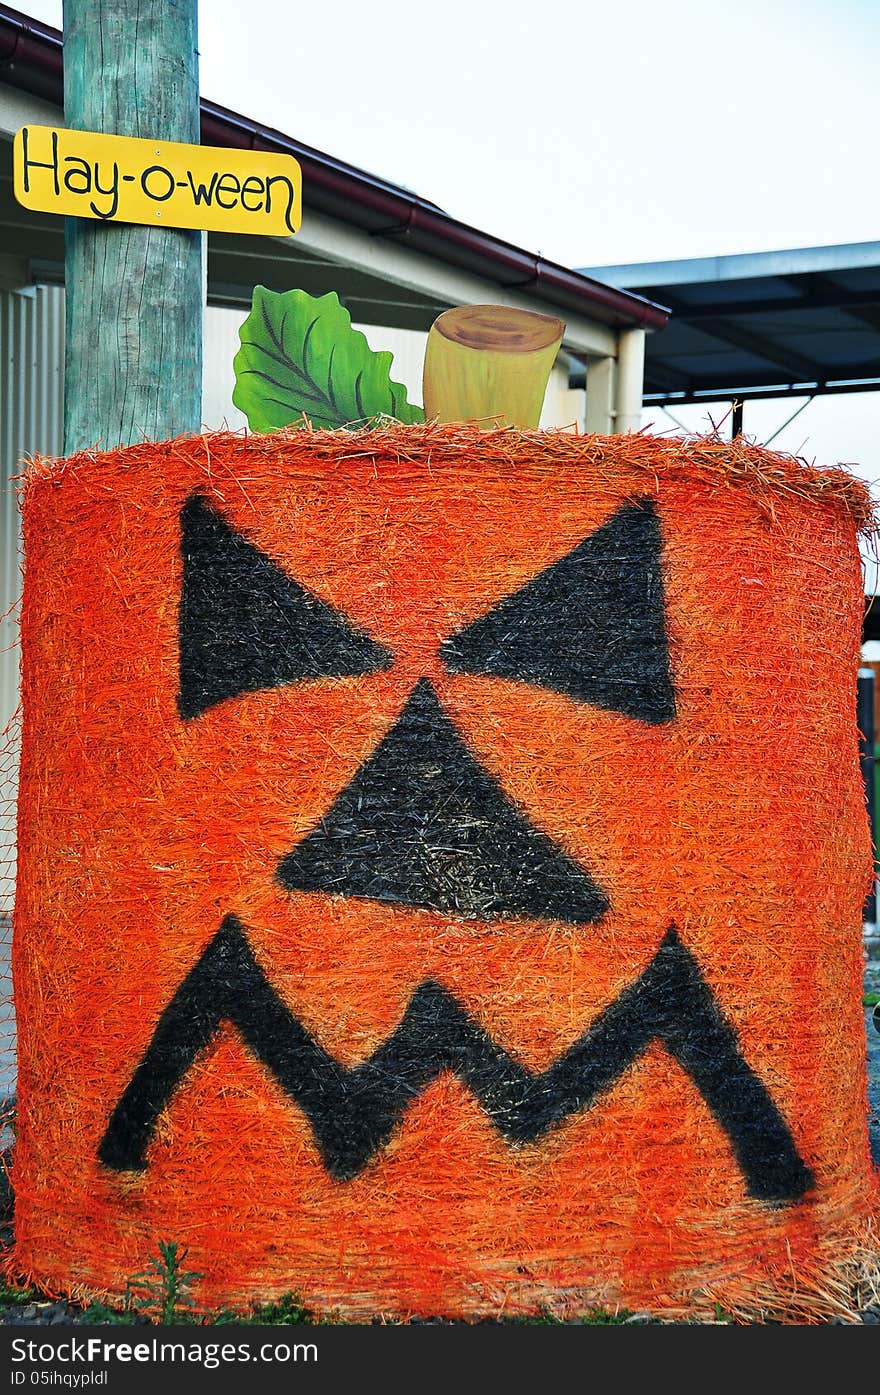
x,y
769,324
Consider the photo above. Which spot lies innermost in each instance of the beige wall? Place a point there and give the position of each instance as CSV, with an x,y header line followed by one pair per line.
x,y
562,407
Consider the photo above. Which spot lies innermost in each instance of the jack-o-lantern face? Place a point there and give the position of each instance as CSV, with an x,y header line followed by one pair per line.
x,y
422,823
434,792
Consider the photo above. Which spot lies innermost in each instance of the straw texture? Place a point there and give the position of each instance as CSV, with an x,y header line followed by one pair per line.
x,y
441,859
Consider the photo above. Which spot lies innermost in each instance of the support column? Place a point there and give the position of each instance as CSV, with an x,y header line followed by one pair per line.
x,y
133,364
630,380
601,380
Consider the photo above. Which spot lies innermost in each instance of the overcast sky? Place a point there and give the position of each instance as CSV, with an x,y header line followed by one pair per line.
x,y
592,133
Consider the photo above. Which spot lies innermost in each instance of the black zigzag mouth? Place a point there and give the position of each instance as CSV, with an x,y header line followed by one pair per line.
x,y
354,1112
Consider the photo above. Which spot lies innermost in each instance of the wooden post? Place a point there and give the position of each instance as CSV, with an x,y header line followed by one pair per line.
x,y
133,354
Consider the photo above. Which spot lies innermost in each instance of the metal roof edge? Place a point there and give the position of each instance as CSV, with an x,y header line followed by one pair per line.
x,y
740,266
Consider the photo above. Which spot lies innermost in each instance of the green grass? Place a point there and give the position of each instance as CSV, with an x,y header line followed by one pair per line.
x,y
162,1294
600,1317
18,1297
101,1315
871,999
286,1311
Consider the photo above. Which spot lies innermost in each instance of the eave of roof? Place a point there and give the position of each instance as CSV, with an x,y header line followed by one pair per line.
x,y
794,322
31,58
740,266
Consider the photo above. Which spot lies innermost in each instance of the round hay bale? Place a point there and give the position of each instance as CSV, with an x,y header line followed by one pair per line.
x,y
441,861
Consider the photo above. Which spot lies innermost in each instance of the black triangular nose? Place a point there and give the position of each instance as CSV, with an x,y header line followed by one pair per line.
x,y
423,824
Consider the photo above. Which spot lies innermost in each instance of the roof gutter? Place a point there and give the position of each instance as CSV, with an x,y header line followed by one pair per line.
x,y
31,58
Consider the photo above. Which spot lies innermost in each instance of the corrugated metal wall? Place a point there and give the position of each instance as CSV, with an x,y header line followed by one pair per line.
x,y
31,420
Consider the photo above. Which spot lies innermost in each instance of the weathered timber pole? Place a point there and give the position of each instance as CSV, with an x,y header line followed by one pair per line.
x,y
133,356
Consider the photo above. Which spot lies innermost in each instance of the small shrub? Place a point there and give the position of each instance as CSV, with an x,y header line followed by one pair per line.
x,y
285,1311
162,1291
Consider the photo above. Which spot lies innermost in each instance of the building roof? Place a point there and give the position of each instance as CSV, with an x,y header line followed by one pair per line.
x,y
766,324
31,59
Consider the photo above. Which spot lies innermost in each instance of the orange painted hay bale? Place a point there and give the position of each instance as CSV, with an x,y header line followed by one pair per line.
x,y
441,865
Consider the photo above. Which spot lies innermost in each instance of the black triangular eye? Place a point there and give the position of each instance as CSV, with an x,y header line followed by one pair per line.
x,y
246,625
591,626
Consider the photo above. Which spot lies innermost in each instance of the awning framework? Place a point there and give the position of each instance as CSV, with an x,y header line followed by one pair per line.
x,y
798,323
871,626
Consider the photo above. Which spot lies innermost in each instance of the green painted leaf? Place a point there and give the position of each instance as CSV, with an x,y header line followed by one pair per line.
x,y
299,355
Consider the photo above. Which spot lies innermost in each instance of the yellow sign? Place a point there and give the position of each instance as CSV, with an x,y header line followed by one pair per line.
x,y
124,179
